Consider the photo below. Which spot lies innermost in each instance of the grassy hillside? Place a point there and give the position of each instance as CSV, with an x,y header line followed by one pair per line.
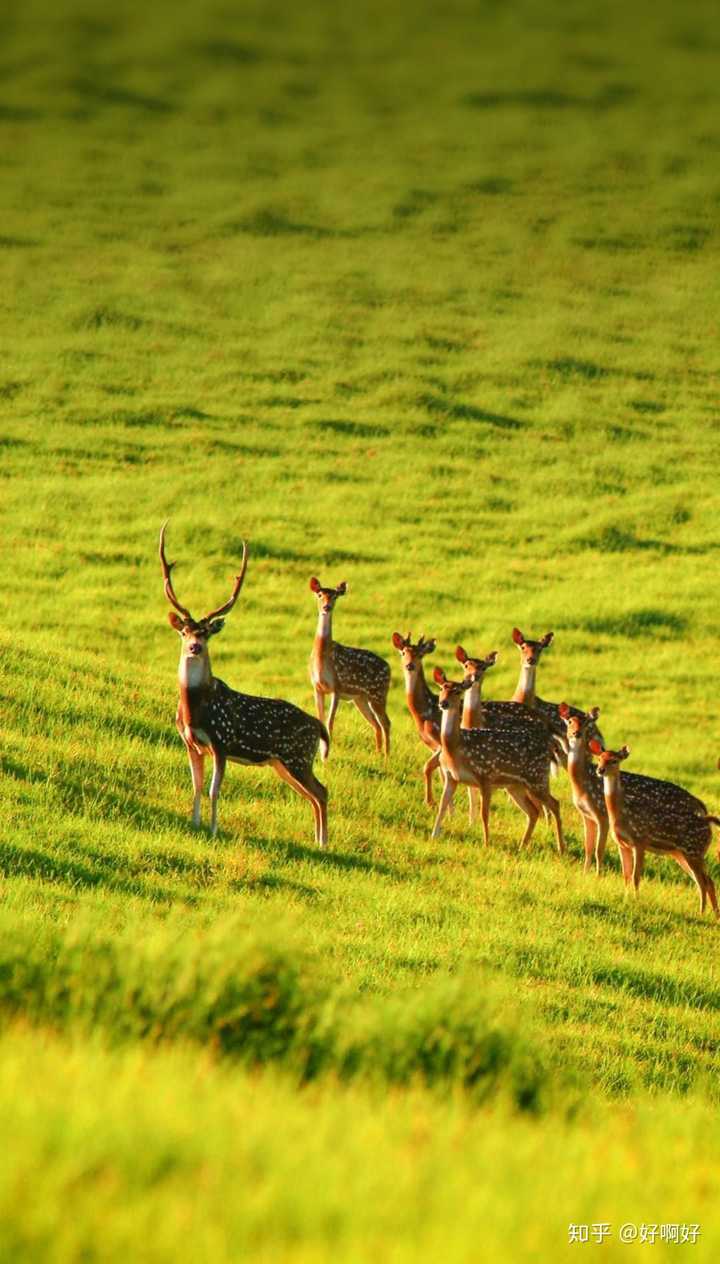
x,y
424,297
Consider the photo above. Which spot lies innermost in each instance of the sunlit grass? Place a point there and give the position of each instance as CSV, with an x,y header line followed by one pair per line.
x,y
426,301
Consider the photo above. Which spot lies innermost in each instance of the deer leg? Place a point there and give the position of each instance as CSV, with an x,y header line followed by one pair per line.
x,y
591,831
319,703
638,866
379,711
449,789
428,770
334,704
197,772
527,804
363,706
626,860
472,804
306,784
219,763
696,869
485,800
600,844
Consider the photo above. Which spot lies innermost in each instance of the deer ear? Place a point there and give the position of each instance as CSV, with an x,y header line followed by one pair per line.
x,y
517,636
314,584
595,746
548,638
175,621
492,658
594,713
217,625
460,654
439,676
564,710
398,641
342,588
624,752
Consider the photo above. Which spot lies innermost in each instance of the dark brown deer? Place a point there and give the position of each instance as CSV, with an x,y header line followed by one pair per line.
x,y
213,719
422,702
648,814
341,671
525,693
488,758
586,784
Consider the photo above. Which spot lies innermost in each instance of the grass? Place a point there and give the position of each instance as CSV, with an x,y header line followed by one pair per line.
x,y
426,301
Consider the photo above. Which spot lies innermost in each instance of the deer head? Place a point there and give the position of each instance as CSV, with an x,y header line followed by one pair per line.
x,y
195,633
327,596
451,691
409,653
608,760
475,668
577,723
531,650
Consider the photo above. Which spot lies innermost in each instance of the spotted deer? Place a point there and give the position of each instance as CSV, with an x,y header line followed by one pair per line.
x,y
479,713
422,702
488,758
585,783
213,719
648,814
343,672
530,652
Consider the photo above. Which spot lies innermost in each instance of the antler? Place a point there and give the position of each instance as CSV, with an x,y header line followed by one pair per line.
x,y
166,569
215,614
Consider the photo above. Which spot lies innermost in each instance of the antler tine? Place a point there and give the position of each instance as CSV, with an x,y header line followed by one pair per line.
x,y
166,569
215,614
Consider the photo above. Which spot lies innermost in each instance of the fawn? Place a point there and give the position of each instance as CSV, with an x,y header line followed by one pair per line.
x,y
488,758
422,702
647,814
586,785
215,720
345,672
530,652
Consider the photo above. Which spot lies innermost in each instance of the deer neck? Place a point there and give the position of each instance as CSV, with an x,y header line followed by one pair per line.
x,y
577,767
417,692
612,790
472,712
323,634
525,690
194,683
450,730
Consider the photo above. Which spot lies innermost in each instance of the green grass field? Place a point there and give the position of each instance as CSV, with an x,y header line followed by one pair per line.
x,y
424,297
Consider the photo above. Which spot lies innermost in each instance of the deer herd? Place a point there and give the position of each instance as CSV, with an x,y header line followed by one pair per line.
x,y
481,744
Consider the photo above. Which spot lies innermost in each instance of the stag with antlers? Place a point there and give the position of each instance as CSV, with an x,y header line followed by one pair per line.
x,y
215,720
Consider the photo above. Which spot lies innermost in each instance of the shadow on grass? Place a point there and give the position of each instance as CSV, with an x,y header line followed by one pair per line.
x,y
458,411
342,861
29,862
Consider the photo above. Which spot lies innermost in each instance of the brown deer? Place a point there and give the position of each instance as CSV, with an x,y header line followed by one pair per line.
x,y
488,758
525,693
647,814
344,672
585,783
478,713
422,702
213,719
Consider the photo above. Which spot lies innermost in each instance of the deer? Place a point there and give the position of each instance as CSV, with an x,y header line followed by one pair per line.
x,y
488,758
530,652
479,713
422,702
648,814
344,672
585,783
213,719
